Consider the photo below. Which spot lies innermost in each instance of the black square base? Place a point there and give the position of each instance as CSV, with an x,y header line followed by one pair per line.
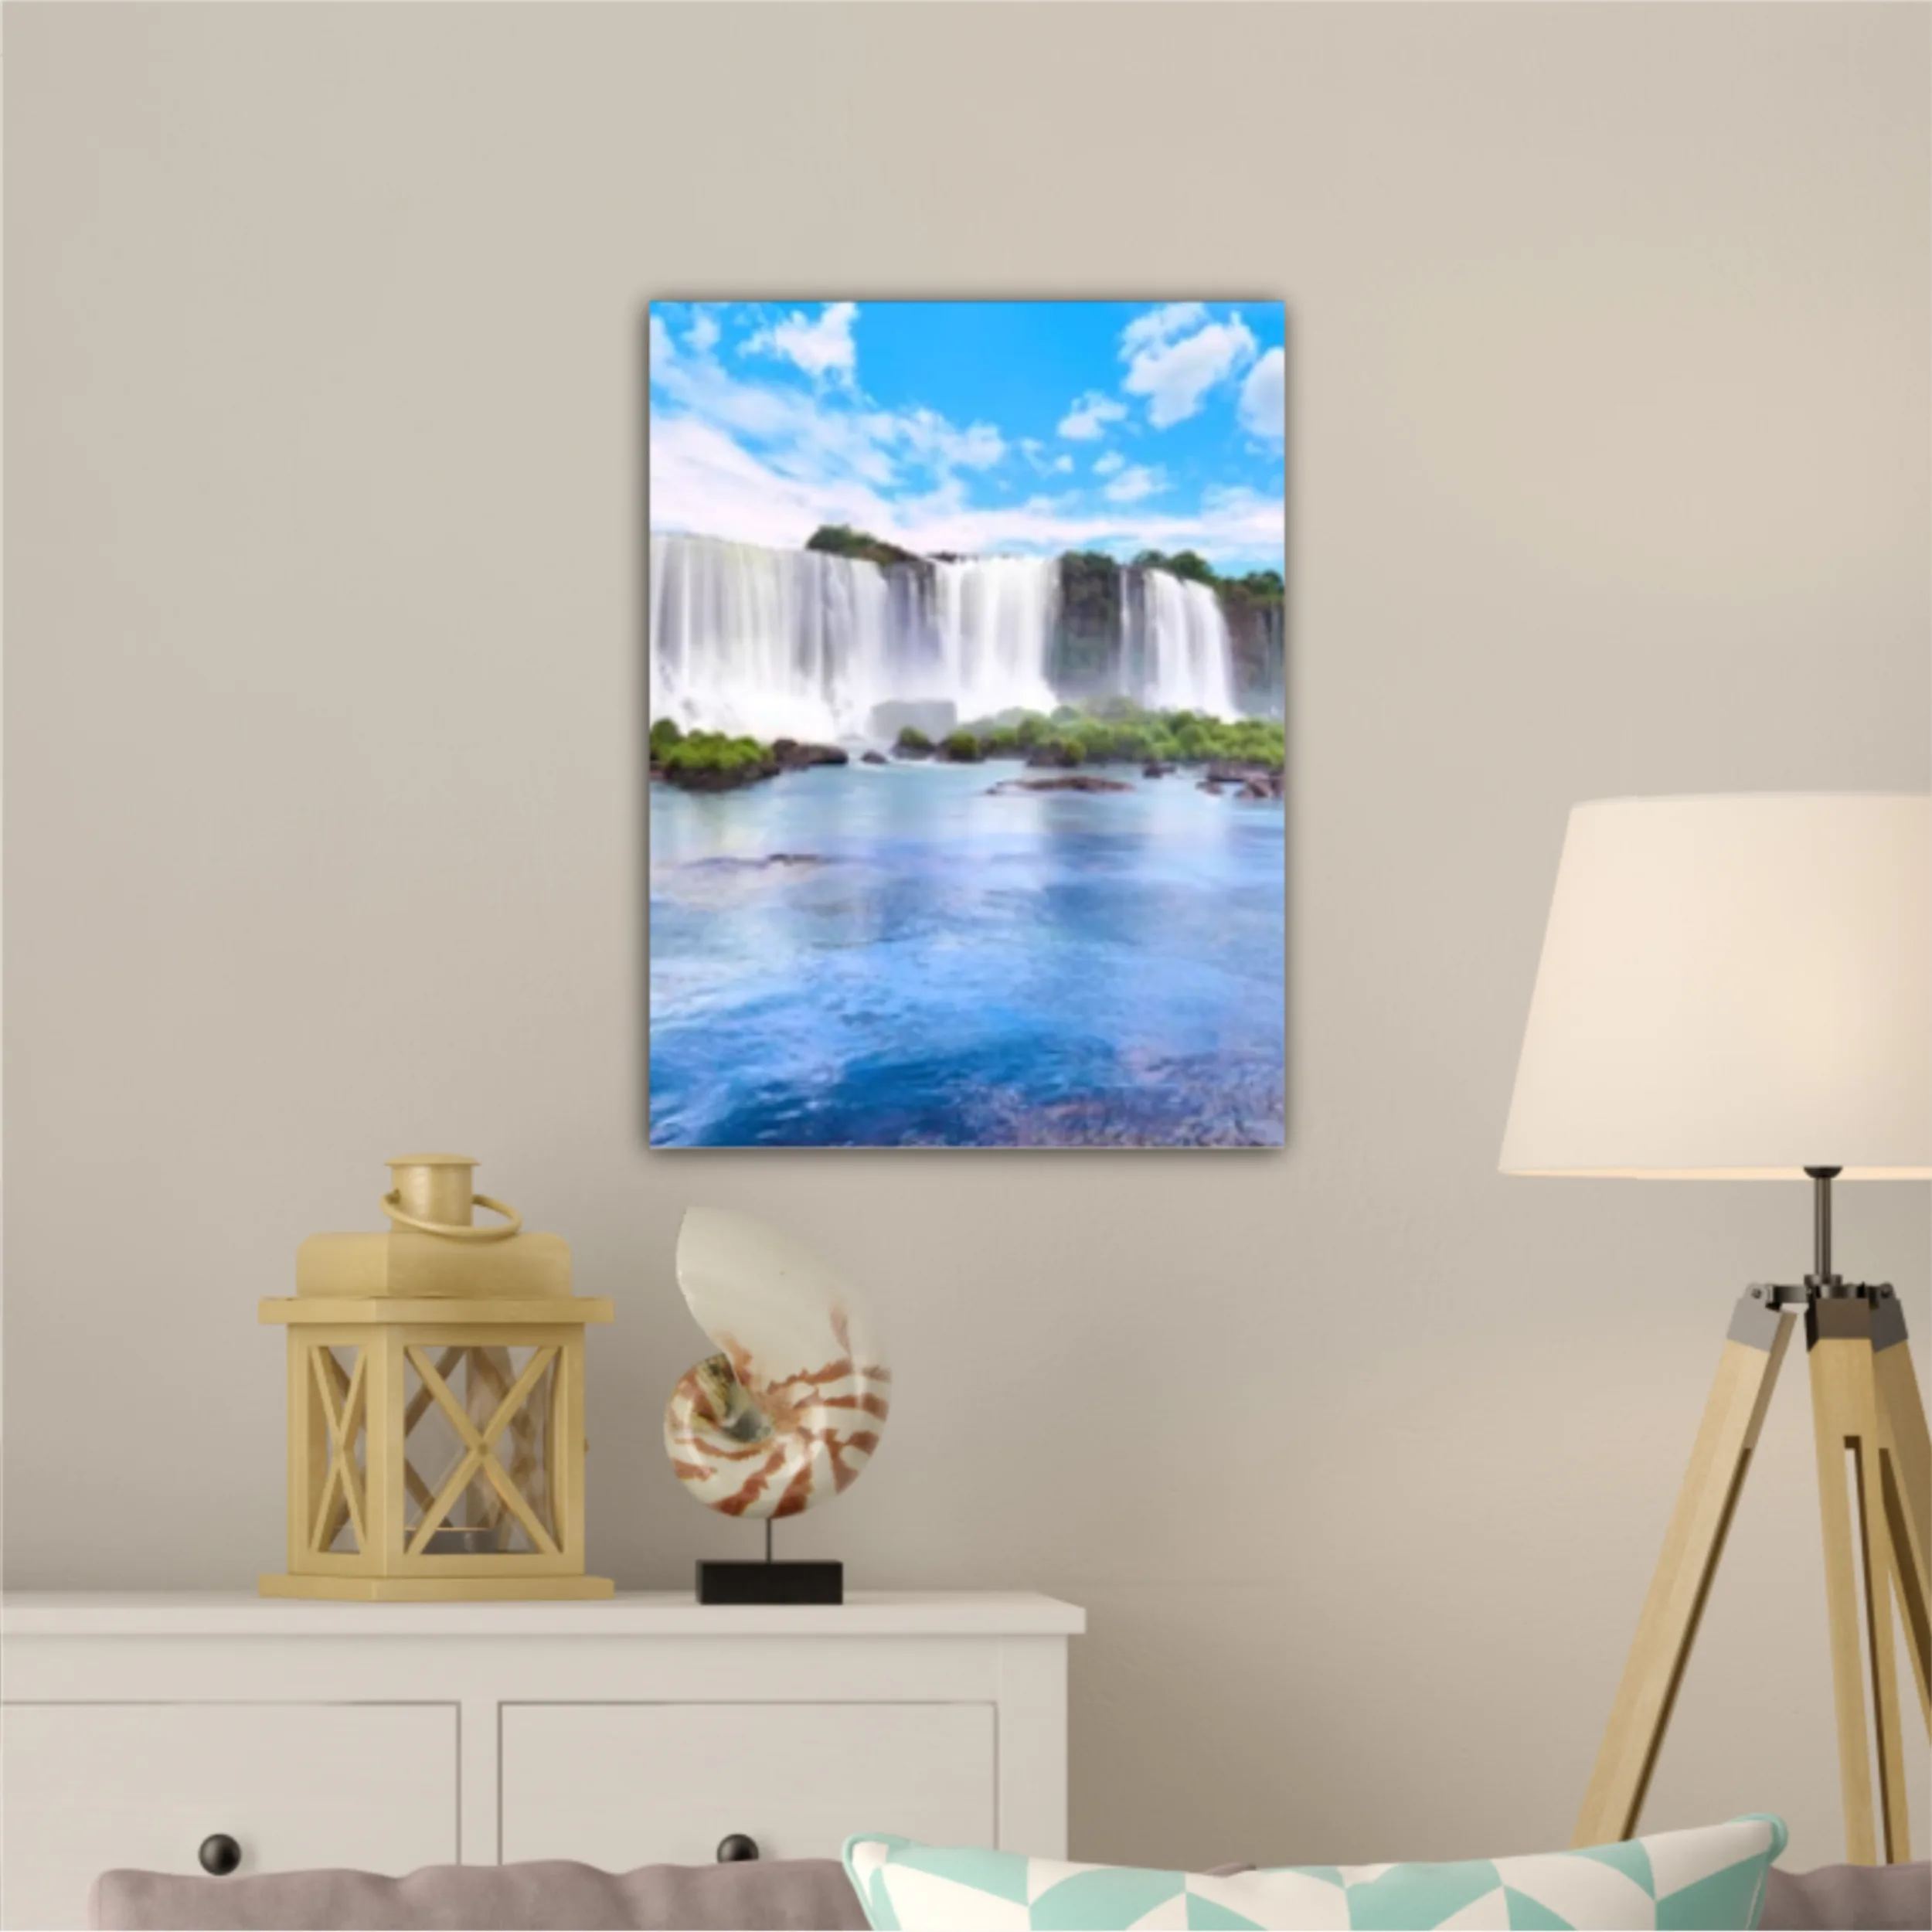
x,y
799,1583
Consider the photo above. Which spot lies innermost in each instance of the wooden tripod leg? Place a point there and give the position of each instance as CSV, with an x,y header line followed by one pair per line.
x,y
1859,1580
1907,1473
1747,1374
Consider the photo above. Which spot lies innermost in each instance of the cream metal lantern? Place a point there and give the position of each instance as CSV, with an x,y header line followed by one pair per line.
x,y
436,1434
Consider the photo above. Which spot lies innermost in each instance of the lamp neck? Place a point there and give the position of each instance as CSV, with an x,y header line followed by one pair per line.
x,y
1822,1277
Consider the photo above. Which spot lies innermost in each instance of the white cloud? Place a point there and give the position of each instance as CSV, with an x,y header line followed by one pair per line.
x,y
1175,372
1160,326
1089,416
1263,397
1134,483
928,435
703,480
799,434
703,335
822,347
768,461
716,439
1042,459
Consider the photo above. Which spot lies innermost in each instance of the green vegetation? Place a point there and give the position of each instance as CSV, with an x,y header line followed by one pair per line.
x,y
1183,563
664,734
913,741
1115,731
1090,579
840,539
710,760
1257,587
963,748
1090,588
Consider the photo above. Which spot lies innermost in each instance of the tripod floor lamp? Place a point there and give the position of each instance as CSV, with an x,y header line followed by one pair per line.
x,y
1741,988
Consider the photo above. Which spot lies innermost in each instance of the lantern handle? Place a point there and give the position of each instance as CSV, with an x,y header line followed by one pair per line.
x,y
451,1230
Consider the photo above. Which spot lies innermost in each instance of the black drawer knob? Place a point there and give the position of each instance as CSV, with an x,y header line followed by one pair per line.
x,y
219,1855
735,1848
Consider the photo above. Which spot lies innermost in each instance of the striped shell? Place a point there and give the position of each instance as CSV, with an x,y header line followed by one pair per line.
x,y
790,1409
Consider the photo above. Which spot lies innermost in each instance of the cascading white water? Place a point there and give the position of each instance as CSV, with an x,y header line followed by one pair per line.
x,y
799,644
995,617
771,643
1187,658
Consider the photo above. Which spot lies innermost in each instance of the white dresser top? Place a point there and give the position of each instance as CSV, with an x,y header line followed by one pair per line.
x,y
633,1613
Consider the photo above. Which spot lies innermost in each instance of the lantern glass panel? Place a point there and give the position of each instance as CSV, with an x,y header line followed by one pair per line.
x,y
478,1450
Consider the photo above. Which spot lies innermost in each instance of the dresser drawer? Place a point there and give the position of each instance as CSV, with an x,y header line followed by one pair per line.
x,y
624,1784
90,1787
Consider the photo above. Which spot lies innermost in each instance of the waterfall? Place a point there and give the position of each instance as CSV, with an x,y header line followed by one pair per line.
x,y
1185,656
771,643
996,616
803,644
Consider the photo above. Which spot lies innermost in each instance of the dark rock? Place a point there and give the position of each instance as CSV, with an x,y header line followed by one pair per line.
x,y
912,751
762,864
1154,769
1248,780
1079,781
874,758
792,756
1086,638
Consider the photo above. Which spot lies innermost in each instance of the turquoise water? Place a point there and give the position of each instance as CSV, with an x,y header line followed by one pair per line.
x,y
869,956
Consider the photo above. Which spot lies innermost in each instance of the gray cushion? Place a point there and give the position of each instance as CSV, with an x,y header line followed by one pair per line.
x,y
809,1895
552,1895
1872,1898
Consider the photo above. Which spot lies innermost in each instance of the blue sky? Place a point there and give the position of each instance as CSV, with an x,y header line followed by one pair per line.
x,y
974,427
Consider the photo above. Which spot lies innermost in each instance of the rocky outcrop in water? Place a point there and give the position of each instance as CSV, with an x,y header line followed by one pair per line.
x,y
791,756
1075,782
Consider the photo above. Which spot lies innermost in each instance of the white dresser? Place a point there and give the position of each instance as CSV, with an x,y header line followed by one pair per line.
x,y
639,1730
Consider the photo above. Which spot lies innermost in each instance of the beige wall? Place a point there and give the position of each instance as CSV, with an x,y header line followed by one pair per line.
x,y
1609,381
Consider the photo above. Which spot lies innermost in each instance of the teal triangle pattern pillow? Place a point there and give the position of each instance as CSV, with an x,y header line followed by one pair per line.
x,y
1709,1880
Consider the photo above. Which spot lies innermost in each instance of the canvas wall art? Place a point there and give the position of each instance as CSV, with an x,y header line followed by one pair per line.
x,y
967,731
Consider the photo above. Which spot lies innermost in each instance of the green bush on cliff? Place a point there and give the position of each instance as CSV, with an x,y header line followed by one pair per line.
x,y
1183,563
912,739
840,539
1257,588
664,734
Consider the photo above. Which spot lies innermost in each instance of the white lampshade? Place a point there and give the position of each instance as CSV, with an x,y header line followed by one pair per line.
x,y
1733,988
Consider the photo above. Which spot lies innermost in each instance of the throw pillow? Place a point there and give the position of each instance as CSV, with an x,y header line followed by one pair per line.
x,y
1709,1880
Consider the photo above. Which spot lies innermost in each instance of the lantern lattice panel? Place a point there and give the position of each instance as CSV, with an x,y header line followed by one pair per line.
x,y
435,1459
479,1450
339,1521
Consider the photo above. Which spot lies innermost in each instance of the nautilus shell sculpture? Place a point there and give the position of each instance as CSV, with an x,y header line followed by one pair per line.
x,y
788,1412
